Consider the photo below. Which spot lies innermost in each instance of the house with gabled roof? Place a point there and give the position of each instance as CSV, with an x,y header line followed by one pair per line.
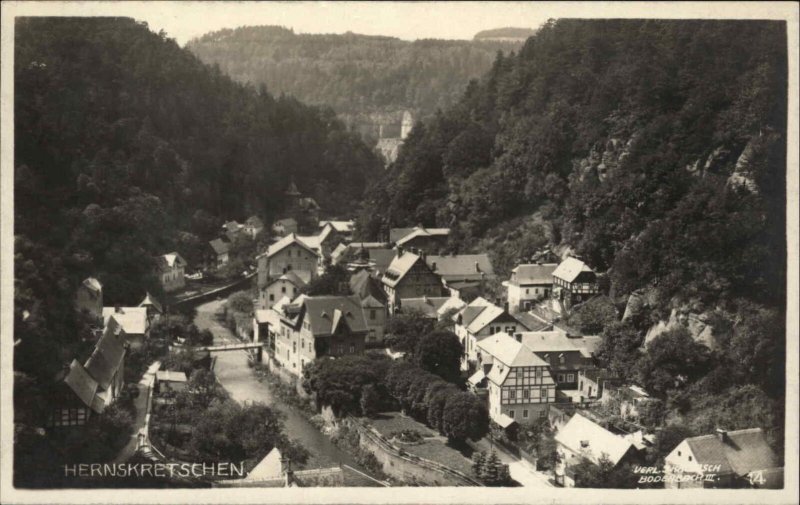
x,y
565,357
289,254
479,319
373,301
171,271
408,276
582,439
89,297
86,389
218,253
285,226
313,327
152,306
529,284
253,226
133,321
430,240
343,228
519,384
573,282
464,275
289,284
726,459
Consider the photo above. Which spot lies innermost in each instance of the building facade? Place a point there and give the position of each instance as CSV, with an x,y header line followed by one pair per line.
x,y
519,383
316,327
408,276
528,285
171,271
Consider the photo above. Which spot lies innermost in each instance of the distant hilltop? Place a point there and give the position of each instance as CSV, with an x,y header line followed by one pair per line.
x,y
509,34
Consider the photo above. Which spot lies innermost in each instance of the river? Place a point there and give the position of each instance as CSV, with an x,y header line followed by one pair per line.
x,y
242,384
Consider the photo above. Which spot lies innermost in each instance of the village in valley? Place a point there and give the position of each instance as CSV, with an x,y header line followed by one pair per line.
x,y
313,295
535,258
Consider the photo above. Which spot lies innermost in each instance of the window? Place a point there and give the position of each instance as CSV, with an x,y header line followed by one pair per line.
x,y
690,458
525,414
570,377
272,298
538,373
352,349
679,453
511,414
372,314
512,394
561,377
302,343
288,267
527,291
294,346
283,289
561,358
542,413
526,393
302,364
544,392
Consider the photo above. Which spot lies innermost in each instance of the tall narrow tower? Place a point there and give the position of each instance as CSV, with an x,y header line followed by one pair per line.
x,y
407,124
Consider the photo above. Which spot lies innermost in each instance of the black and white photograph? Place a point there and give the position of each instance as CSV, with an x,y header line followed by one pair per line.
x,y
526,252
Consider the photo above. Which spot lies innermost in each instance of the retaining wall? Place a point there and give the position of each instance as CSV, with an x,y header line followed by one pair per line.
x,y
408,467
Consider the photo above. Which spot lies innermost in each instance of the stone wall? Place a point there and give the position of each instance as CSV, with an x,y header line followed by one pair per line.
x,y
408,467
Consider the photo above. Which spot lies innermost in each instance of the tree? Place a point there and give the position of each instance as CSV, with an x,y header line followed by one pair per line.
x,y
440,352
620,348
370,400
594,315
478,463
335,281
240,302
672,360
464,416
405,329
603,474
203,386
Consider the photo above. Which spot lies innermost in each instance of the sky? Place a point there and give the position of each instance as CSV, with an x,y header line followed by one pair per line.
x,y
185,20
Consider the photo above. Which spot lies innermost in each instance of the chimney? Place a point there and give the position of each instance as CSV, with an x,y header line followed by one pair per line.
x,y
722,434
117,309
433,266
425,299
399,250
477,267
505,306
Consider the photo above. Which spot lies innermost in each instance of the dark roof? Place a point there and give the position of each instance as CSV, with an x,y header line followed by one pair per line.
x,y
531,322
461,267
255,222
107,357
382,258
326,313
743,451
150,301
219,246
81,383
166,262
291,277
364,285
428,305
396,234
469,313
533,274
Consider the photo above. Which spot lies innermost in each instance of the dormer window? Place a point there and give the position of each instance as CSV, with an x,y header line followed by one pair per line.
x,y
584,444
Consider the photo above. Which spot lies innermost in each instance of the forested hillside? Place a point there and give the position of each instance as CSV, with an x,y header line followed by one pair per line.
x,y
127,147
366,79
656,151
